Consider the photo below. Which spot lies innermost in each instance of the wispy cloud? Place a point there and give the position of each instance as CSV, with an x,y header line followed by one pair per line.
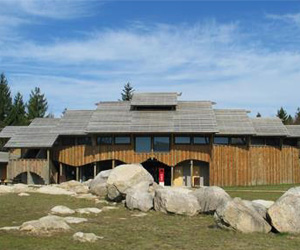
x,y
289,18
204,60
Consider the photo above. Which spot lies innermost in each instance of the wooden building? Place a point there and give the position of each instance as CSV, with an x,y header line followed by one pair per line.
x,y
183,143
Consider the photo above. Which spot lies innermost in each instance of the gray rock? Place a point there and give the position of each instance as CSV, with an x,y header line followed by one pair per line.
x,y
62,210
100,189
23,194
265,203
256,207
88,210
235,215
45,224
139,199
86,237
124,177
210,198
53,190
74,220
284,214
101,177
177,201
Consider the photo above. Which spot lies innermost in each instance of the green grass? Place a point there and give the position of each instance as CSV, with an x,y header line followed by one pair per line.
x,y
122,231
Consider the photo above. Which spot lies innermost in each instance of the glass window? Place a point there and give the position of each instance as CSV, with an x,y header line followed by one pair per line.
x,y
104,140
68,141
122,140
238,141
161,144
258,141
84,140
182,140
290,142
272,141
201,140
143,144
221,140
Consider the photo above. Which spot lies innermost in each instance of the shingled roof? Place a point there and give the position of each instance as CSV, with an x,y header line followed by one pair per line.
x,y
154,99
294,130
234,122
117,117
269,127
37,135
9,131
74,122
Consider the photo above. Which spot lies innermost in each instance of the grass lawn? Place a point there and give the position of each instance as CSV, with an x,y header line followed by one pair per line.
x,y
122,231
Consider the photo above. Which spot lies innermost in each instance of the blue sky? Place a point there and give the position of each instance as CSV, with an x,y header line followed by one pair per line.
x,y
238,54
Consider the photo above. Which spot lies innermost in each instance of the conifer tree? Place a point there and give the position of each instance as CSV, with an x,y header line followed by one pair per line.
x,y
5,100
37,104
127,92
297,117
282,114
258,115
17,115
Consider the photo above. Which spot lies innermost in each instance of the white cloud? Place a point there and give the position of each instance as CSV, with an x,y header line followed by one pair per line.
x,y
205,61
290,18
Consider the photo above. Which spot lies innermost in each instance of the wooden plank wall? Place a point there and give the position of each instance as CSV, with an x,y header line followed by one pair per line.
x,y
229,165
19,166
82,155
238,166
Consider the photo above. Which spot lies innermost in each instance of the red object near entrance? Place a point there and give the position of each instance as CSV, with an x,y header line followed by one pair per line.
x,y
161,176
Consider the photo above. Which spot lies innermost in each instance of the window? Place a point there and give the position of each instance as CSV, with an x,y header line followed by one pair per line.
x,y
290,142
221,140
122,140
143,144
84,140
104,140
273,141
161,144
182,140
258,141
68,141
201,140
238,141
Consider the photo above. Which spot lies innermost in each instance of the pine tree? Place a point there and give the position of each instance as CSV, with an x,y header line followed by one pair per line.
x,y
282,114
127,92
17,115
37,104
289,120
258,115
297,117
5,100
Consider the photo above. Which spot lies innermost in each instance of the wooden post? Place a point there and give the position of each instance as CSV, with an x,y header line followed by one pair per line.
x,y
47,179
95,169
192,169
77,173
172,176
113,164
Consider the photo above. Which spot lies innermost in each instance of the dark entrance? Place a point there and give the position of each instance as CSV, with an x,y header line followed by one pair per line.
x,y
153,166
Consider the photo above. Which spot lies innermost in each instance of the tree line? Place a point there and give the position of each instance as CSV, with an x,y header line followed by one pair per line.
x,y
14,111
286,118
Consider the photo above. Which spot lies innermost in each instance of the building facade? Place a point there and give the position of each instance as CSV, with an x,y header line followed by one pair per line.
x,y
181,143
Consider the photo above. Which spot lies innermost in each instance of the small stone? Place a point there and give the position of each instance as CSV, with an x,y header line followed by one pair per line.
x,y
62,210
107,208
86,237
88,210
23,194
141,214
9,228
75,220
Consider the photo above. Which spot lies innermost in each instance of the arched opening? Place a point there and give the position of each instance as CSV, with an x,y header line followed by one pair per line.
x,y
191,173
153,166
32,178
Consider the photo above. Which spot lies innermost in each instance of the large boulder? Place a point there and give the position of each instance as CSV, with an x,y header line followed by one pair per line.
x,y
235,215
210,198
123,178
98,185
45,224
74,186
267,204
256,207
284,214
176,200
140,200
